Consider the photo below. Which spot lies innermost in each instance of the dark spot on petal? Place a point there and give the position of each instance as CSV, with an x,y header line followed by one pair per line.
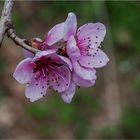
x,y
36,78
66,84
96,36
42,86
100,61
56,90
88,63
58,85
97,28
95,42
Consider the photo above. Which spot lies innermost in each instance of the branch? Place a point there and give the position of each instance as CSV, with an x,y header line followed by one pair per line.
x,y
21,42
6,27
5,17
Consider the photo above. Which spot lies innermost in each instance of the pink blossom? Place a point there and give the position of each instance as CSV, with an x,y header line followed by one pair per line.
x,y
46,69
83,48
84,44
50,39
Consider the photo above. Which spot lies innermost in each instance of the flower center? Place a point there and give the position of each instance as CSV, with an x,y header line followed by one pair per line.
x,y
45,65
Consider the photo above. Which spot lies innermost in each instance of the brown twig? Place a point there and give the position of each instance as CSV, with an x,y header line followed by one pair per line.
x,y
5,28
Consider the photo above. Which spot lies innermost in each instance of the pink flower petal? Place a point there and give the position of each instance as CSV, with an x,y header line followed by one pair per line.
x,y
65,60
69,93
91,35
44,53
23,71
27,54
55,34
84,73
72,50
83,82
62,60
97,60
59,78
70,26
36,89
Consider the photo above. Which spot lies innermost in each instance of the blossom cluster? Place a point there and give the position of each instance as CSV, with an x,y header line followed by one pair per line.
x,y
68,57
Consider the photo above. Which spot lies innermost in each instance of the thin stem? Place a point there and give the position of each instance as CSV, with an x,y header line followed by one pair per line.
x,y
21,42
5,21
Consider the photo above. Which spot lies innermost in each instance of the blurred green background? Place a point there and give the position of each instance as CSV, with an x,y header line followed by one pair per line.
x,y
109,109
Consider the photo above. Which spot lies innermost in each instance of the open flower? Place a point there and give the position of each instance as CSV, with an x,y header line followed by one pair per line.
x,y
84,44
46,69
83,48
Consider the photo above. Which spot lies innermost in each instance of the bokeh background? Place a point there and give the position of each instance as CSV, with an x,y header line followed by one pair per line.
x,y
109,109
